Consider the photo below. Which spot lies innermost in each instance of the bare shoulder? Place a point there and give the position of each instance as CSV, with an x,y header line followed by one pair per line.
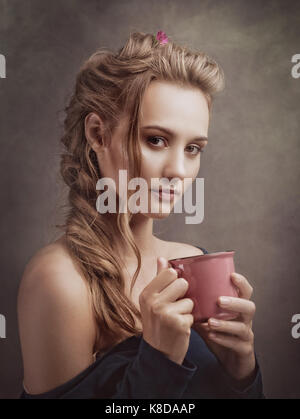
x,y
52,257
55,319
52,269
176,250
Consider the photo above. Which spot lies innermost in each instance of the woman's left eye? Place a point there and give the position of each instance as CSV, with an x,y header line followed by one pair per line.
x,y
198,149
195,149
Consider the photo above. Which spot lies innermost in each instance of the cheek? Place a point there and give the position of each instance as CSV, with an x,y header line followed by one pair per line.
x,y
150,165
191,174
196,168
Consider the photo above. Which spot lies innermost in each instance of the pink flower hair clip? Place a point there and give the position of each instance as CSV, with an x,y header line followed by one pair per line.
x,y
161,38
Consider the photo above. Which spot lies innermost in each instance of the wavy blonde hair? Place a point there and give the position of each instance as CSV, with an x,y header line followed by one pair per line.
x,y
111,85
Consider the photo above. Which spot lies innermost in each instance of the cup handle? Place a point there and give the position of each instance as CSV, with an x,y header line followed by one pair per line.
x,y
179,272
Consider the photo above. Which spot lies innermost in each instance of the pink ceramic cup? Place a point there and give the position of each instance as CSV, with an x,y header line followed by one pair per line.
x,y
209,278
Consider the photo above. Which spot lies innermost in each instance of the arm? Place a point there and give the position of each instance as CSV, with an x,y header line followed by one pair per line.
x,y
152,375
250,389
56,325
131,370
57,338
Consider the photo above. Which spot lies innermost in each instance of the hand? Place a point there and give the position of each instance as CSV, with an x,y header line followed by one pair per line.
x,y
166,315
232,341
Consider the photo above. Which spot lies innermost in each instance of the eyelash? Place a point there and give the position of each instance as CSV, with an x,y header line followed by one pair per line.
x,y
200,150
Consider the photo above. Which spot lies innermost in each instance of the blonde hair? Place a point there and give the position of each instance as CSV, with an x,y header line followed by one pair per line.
x,y
112,85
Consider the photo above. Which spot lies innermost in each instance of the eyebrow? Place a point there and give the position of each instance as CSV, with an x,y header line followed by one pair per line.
x,y
171,133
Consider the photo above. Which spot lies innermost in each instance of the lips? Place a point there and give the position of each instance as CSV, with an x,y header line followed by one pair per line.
x,y
166,191
164,194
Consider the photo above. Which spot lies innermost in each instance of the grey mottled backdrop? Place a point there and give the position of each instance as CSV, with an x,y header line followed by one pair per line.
x,y
251,166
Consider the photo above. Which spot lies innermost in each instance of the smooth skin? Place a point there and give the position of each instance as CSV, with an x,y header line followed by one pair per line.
x,y
56,322
166,315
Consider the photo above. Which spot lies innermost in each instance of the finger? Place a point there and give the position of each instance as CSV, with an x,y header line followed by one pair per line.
x,y
161,281
204,325
246,308
162,263
183,306
245,289
235,328
232,342
189,318
176,289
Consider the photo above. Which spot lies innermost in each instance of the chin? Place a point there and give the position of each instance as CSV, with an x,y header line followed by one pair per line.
x,y
160,211
158,215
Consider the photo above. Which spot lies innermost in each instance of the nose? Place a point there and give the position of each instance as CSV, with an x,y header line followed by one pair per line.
x,y
175,165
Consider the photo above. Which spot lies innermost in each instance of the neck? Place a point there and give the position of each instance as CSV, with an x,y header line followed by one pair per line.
x,y
142,228
147,243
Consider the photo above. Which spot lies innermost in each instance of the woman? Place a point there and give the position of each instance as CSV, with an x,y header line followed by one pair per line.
x,y
104,289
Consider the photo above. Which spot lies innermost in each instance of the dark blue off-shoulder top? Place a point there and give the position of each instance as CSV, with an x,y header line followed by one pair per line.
x,y
133,369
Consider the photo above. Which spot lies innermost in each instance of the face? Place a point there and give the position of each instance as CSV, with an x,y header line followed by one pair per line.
x,y
174,127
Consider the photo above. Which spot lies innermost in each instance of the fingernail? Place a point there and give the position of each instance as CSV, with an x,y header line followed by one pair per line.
x,y
224,300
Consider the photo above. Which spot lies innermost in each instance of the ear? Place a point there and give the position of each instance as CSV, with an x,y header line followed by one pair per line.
x,y
93,128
